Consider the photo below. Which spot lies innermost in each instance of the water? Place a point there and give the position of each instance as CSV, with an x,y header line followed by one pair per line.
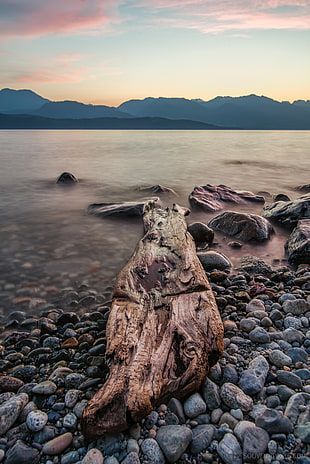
x,y
45,231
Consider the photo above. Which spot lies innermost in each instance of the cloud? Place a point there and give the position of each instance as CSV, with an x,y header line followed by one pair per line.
x,y
36,17
211,16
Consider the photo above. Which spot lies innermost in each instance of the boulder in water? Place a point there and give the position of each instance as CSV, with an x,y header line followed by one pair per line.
x,y
123,208
66,178
211,260
298,244
157,189
289,213
242,226
200,232
213,197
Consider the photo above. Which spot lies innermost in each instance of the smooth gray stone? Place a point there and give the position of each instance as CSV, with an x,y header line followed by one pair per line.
x,y
173,440
194,405
110,444
279,359
303,432
152,452
214,260
211,394
253,379
9,411
297,354
70,458
289,379
255,442
22,454
274,421
259,335
230,450
202,437
292,409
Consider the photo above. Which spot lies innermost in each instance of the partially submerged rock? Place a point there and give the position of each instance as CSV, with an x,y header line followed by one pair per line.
x,y
242,226
200,232
66,178
213,197
211,260
157,189
288,213
298,244
254,265
122,208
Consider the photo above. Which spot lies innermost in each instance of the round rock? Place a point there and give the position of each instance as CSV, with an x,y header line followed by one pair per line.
x,y
36,420
194,405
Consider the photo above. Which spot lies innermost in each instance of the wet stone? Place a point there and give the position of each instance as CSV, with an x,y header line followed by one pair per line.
x,y
10,384
279,359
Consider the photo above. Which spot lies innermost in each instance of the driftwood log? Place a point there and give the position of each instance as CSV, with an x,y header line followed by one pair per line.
x,y
164,330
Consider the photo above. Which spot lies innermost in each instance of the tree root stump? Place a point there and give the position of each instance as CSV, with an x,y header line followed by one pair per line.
x,y
164,330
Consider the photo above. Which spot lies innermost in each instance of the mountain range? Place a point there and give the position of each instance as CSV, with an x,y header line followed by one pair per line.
x,y
25,109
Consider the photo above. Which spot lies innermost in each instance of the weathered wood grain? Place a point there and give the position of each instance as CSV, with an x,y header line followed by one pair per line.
x,y
164,330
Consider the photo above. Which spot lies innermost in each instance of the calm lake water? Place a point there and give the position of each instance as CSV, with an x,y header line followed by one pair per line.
x,y
45,231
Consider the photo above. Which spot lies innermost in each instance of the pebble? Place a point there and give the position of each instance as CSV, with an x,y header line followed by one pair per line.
x,y
202,437
253,379
274,421
152,452
10,410
194,405
255,442
36,420
93,456
279,359
173,440
211,394
58,444
289,379
47,387
259,335
234,397
230,450
20,453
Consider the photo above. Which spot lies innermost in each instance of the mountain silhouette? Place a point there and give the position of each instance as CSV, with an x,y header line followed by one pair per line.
x,y
20,101
246,112
75,110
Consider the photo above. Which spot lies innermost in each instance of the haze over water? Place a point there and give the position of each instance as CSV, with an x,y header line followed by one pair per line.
x,y
45,230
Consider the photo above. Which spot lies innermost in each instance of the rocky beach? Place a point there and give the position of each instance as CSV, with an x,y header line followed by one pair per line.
x,y
254,405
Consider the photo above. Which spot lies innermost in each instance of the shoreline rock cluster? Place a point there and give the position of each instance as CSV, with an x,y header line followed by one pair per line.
x,y
254,406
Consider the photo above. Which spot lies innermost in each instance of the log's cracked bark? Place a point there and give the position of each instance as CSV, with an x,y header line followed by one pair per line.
x,y
164,331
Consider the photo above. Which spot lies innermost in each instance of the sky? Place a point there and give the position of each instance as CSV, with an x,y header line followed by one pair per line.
x,y
110,51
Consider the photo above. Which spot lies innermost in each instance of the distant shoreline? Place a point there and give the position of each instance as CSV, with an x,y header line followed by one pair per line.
x,y
24,121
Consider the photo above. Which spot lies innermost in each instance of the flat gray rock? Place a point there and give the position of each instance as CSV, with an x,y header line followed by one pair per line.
x,y
123,208
230,450
214,197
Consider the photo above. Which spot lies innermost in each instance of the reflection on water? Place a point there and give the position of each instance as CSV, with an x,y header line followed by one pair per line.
x,y
45,231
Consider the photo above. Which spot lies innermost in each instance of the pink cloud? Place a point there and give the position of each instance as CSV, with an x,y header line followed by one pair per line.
x,y
211,16
37,17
